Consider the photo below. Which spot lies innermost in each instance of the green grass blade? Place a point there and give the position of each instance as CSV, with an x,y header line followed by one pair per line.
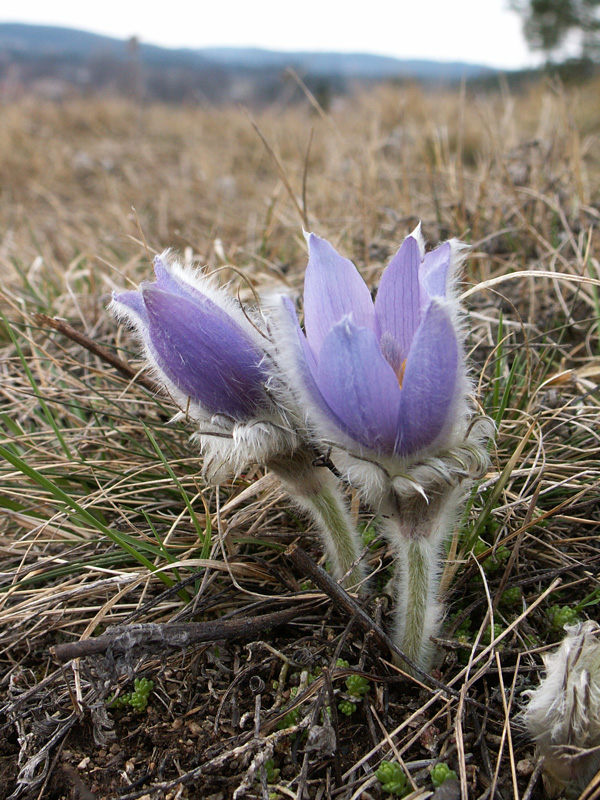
x,y
203,535
127,543
43,405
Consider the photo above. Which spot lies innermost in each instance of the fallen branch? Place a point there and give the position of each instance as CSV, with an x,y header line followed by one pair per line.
x,y
171,635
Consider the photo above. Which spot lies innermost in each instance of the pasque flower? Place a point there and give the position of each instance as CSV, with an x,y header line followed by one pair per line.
x,y
386,377
216,364
385,386
563,713
212,361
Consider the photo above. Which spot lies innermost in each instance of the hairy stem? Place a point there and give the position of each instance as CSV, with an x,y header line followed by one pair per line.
x,y
417,611
417,527
340,537
318,493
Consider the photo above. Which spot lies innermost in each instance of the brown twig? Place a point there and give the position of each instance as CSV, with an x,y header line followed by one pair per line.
x,y
97,349
535,776
172,635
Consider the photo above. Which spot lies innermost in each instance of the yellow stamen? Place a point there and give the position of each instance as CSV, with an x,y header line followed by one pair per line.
x,y
400,372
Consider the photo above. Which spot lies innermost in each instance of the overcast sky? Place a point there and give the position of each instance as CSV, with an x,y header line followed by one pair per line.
x,y
477,31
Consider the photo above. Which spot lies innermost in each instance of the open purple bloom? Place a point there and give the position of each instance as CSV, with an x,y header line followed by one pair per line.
x,y
200,351
390,374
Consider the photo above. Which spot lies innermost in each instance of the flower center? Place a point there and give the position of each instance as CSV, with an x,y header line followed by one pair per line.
x,y
400,372
390,350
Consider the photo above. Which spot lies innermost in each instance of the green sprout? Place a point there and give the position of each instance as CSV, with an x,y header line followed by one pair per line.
x,y
271,770
511,597
138,699
291,718
347,707
462,632
559,616
392,778
495,561
480,547
356,685
441,773
490,634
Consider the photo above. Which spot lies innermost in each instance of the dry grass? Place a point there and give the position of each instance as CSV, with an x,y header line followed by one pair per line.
x,y
102,491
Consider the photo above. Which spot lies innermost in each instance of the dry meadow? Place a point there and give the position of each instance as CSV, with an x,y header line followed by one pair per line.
x,y
105,520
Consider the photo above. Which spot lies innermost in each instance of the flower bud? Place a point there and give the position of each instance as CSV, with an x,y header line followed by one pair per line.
x,y
213,362
563,713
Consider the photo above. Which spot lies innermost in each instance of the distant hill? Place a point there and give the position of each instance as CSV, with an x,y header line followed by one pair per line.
x,y
348,65
56,60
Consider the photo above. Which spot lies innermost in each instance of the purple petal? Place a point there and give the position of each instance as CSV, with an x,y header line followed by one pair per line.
x,y
333,289
434,272
398,302
359,386
430,382
204,353
166,280
305,358
306,364
133,301
170,282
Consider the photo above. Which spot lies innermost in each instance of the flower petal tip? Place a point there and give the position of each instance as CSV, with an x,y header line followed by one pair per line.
x,y
417,235
161,264
129,305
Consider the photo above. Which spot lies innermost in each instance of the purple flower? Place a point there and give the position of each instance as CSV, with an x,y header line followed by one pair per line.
x,y
200,351
215,364
389,375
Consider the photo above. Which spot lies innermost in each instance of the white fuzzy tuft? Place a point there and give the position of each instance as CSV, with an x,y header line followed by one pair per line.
x,y
229,447
379,477
563,713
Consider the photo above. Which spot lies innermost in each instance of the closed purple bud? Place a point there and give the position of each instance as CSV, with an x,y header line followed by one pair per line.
x,y
195,343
